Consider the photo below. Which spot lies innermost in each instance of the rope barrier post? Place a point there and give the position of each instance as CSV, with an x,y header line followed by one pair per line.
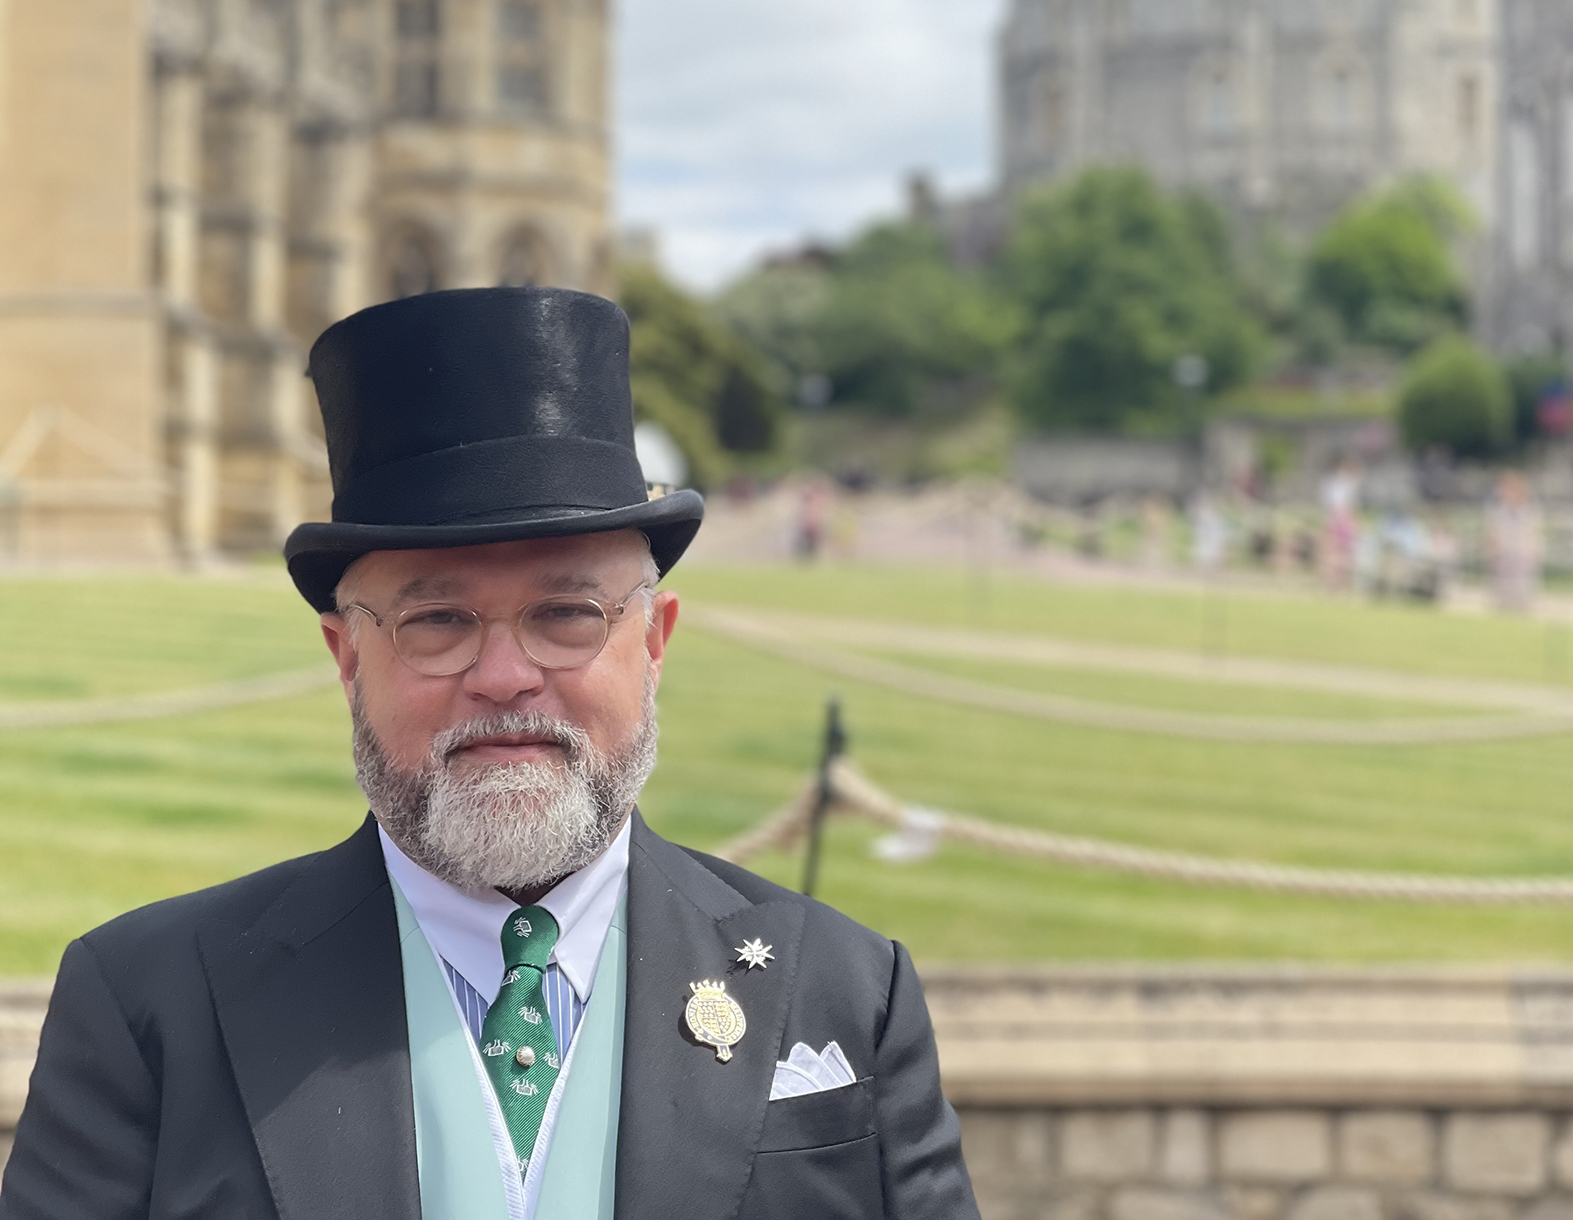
x,y
835,747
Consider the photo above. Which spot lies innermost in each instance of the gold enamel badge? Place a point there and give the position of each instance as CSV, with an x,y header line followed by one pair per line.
x,y
715,1018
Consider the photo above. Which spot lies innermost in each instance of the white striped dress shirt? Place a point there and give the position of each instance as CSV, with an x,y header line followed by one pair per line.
x,y
563,1005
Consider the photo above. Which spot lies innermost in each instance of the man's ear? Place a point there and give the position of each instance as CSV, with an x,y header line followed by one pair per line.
x,y
663,618
341,643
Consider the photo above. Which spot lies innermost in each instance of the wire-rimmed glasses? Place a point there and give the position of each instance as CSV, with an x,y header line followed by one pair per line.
x,y
440,639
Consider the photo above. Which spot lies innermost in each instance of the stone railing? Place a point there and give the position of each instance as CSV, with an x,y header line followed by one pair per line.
x,y
1261,1094
22,1004
1224,1094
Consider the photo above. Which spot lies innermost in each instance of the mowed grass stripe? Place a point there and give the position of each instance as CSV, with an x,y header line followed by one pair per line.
x,y
1244,622
97,820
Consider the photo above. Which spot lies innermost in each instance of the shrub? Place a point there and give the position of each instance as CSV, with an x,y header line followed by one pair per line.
x,y
1456,397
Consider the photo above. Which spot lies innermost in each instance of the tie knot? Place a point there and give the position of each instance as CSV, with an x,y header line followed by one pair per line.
x,y
528,938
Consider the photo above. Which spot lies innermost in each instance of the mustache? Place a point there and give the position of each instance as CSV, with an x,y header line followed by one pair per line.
x,y
574,742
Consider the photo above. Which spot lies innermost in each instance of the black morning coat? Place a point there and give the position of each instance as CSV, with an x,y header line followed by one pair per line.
x,y
241,1052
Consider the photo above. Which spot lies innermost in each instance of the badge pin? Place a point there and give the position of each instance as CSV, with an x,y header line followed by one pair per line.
x,y
715,1018
755,952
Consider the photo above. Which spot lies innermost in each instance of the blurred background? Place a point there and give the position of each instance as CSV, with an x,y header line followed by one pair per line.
x,y
1139,567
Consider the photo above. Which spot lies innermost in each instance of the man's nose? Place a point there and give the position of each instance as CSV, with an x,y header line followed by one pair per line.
x,y
503,672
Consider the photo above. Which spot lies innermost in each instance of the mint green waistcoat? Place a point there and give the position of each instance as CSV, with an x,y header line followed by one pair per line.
x,y
460,1177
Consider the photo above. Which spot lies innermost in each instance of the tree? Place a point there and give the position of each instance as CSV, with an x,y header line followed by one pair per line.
x,y
901,325
1455,397
1385,267
1119,283
695,377
775,309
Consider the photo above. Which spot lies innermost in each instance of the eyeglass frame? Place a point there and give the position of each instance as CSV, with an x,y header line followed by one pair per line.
x,y
611,612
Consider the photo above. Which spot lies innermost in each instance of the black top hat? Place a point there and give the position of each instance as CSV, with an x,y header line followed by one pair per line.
x,y
474,416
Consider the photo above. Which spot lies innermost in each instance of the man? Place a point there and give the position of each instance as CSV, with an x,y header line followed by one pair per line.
x,y
504,997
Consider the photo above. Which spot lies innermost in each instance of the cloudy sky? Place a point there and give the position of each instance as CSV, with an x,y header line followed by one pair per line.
x,y
747,125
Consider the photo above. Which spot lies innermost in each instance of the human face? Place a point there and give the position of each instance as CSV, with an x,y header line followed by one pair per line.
x,y
407,710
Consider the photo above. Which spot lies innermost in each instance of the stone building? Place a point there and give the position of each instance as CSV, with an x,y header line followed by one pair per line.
x,y
190,190
1529,306
1288,107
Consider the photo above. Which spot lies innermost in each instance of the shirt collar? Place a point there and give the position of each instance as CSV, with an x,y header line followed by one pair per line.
x,y
465,926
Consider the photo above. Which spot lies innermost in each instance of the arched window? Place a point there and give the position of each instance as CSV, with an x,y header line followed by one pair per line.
x,y
525,260
1219,110
1216,96
1524,183
1343,97
412,264
523,76
417,83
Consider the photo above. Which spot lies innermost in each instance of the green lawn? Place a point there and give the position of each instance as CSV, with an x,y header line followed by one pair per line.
x,y
99,819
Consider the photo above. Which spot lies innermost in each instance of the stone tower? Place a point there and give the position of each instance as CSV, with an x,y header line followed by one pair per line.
x,y
1288,107
191,190
1530,299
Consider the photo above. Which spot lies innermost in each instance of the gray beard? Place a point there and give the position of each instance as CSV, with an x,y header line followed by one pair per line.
x,y
507,826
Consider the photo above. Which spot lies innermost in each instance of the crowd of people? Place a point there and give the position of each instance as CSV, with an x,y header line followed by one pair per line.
x,y
1391,551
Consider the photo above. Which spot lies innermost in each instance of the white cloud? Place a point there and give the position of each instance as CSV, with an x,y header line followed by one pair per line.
x,y
745,126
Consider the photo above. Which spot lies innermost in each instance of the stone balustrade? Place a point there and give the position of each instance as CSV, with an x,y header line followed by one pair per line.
x,y
1261,1094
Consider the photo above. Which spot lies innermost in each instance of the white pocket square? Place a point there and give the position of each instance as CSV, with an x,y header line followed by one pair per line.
x,y
807,1071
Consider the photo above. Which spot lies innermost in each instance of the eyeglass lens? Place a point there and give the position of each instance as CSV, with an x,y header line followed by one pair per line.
x,y
556,634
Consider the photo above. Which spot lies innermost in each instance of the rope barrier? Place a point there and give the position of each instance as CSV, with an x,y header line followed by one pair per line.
x,y
855,795
1066,709
166,703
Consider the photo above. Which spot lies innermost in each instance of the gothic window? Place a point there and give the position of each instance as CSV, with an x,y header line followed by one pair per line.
x,y
411,265
521,88
1214,98
518,21
1218,102
1469,109
417,83
1341,106
1524,203
524,260
1053,112
418,19
523,82
1343,98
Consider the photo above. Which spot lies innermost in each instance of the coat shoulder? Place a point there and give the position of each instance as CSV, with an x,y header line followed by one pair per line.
x,y
160,927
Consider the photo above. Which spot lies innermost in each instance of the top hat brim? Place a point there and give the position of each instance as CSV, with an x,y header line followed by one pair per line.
x,y
319,552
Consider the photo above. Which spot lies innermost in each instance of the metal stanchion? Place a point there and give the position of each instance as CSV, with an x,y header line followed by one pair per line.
x,y
835,747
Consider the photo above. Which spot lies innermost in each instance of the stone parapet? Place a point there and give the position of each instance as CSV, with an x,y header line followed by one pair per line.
x,y
1146,1093
1254,1036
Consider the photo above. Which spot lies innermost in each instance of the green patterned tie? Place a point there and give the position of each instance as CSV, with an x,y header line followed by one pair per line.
x,y
517,1042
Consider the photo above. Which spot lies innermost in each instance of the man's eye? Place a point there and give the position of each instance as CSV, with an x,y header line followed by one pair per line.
x,y
436,618
568,612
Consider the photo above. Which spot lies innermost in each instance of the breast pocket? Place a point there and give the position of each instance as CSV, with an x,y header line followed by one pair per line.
x,y
819,1120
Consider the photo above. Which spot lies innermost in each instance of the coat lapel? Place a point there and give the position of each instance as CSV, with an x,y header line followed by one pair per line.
x,y
310,999
690,1124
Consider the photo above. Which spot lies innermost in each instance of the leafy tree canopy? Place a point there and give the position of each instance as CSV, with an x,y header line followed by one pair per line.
x,y
900,322
1119,283
1386,270
1457,398
695,377
776,308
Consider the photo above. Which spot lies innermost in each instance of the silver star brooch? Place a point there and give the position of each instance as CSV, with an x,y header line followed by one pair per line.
x,y
755,952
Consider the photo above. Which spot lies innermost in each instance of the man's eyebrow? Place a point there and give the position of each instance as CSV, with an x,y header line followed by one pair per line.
x,y
571,582
426,587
